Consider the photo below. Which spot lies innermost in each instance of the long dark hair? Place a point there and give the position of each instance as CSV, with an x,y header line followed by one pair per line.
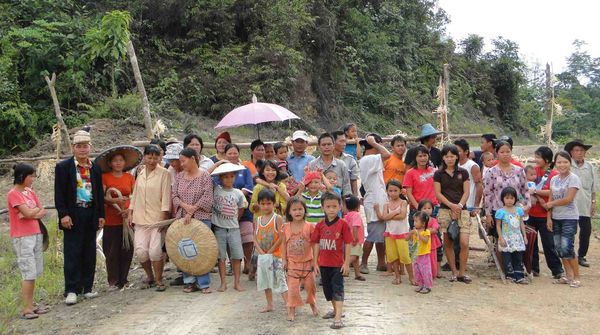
x,y
272,164
449,148
420,149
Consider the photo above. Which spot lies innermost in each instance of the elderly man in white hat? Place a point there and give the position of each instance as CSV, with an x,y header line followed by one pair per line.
x,y
428,138
299,158
585,200
79,201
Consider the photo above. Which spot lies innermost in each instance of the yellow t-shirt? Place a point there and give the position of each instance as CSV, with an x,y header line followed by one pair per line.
x,y
279,200
423,248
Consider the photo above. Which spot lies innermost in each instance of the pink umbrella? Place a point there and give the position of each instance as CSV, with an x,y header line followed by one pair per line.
x,y
255,113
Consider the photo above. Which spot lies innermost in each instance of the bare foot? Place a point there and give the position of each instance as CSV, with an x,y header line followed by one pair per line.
x,y
267,309
396,281
222,288
387,274
239,288
314,309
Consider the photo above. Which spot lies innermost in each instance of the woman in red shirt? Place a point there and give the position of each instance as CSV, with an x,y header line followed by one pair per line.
x,y
418,182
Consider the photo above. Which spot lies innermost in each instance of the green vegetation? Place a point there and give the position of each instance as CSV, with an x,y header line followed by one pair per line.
x,y
48,288
373,62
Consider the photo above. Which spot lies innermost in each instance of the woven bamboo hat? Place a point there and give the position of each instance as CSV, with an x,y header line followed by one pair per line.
x,y
192,247
133,157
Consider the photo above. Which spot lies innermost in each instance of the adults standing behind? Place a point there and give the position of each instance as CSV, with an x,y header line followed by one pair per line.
x,y
586,196
220,143
299,158
500,176
513,160
418,182
172,156
257,152
115,162
24,210
371,174
195,142
244,182
538,215
339,145
428,138
452,188
487,145
192,196
150,203
79,201
563,216
326,162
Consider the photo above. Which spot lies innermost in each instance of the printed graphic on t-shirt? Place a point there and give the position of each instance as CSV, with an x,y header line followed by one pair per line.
x,y
226,206
425,176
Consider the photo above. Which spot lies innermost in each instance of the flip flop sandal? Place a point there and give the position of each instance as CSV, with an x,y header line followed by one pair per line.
x,y
337,325
331,315
464,279
41,310
575,284
561,280
206,290
147,284
128,286
28,316
425,290
189,288
161,287
452,279
360,278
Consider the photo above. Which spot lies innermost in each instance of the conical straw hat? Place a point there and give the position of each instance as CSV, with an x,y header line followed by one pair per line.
x,y
192,247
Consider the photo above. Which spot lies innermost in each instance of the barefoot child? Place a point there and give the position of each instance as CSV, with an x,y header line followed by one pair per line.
x,y
332,241
422,237
228,208
394,214
437,251
511,236
270,274
297,256
355,223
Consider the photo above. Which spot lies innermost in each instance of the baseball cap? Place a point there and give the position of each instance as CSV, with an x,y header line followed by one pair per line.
x,y
300,134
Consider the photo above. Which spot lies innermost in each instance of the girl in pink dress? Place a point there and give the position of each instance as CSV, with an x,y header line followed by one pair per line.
x,y
426,206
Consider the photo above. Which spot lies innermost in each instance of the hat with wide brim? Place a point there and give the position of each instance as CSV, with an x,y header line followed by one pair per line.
x,y
226,168
133,157
576,143
429,130
192,247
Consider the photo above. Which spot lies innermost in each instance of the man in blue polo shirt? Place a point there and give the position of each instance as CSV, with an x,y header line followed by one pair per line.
x,y
299,159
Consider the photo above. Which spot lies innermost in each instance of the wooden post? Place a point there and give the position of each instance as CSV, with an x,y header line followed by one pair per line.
x,y
140,86
445,129
61,123
548,106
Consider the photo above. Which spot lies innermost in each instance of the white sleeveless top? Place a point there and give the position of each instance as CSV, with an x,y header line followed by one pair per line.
x,y
469,166
397,229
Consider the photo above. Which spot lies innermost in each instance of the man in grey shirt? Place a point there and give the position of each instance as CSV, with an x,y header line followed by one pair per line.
x,y
585,199
326,162
339,143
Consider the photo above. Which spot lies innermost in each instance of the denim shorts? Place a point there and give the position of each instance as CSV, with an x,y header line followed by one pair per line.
x,y
375,232
229,238
564,237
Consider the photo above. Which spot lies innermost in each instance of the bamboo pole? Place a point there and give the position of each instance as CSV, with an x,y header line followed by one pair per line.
x,y
141,89
61,123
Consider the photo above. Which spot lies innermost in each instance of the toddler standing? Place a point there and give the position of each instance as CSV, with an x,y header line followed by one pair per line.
x,y
422,237
297,256
511,235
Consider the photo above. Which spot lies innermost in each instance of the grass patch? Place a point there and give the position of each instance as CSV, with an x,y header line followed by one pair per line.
x,y
49,287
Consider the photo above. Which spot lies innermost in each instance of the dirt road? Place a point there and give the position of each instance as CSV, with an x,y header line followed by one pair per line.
x,y
484,307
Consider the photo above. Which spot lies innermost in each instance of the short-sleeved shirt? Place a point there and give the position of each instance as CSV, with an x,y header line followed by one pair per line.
x,y
296,165
331,237
451,185
511,229
435,157
354,220
151,195
314,212
560,187
124,184
423,248
394,168
352,165
371,176
226,207
537,211
421,183
587,176
20,226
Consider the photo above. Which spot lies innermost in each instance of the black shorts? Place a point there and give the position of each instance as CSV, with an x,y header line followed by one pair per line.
x,y
333,283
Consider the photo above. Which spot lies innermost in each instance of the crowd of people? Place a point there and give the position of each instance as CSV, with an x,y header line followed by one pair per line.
x,y
291,221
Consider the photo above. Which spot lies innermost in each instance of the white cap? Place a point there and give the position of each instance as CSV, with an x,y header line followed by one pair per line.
x,y
227,167
173,151
300,134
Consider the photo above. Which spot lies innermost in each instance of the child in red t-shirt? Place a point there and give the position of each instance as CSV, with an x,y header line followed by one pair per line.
x,y
332,240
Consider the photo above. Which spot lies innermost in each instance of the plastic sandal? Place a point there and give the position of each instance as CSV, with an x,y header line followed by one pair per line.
x,y
337,325
561,280
360,278
425,290
41,310
464,279
161,287
452,278
189,288
28,316
575,284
